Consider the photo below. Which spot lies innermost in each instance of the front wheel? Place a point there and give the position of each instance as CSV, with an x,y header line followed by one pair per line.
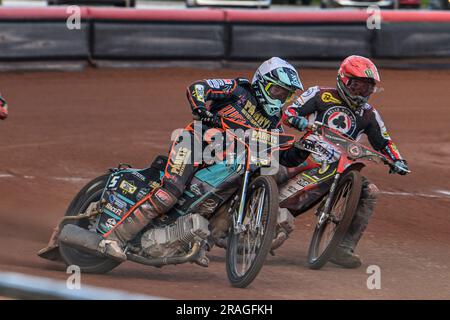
x,y
247,250
87,262
329,233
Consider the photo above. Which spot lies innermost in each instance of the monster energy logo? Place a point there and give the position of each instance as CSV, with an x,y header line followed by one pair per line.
x,y
369,73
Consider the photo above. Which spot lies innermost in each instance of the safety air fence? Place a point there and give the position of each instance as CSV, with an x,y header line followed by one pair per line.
x,y
59,33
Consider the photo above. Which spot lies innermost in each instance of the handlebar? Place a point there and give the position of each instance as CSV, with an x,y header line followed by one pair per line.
x,y
317,125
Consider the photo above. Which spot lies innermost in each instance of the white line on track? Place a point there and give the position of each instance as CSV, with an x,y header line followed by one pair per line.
x,y
68,179
446,194
440,194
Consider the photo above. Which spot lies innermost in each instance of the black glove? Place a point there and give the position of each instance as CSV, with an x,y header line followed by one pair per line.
x,y
207,117
399,167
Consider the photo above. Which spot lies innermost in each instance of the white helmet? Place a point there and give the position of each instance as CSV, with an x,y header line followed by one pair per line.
x,y
274,82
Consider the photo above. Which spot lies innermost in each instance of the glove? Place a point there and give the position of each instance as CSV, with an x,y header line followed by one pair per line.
x,y
207,117
400,167
299,123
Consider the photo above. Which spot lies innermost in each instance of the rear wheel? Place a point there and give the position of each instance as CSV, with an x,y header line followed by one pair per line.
x,y
329,233
247,250
87,262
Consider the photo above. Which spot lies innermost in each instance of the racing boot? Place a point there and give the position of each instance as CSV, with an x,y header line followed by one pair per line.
x,y
344,254
285,225
202,259
115,241
219,224
345,257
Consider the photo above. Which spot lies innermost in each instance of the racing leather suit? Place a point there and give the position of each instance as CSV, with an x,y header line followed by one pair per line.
x,y
325,105
231,98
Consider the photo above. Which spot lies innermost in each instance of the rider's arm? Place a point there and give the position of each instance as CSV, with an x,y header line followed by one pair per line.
x,y
199,92
380,139
3,109
301,108
278,127
293,157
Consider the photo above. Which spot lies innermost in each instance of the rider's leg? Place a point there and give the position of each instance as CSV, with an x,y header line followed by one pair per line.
x,y
285,225
344,255
179,170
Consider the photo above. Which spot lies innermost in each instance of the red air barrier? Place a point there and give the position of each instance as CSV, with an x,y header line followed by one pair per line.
x,y
202,15
332,16
39,13
218,15
417,16
326,16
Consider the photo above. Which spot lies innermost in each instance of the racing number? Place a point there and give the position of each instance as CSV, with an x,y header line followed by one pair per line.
x,y
113,182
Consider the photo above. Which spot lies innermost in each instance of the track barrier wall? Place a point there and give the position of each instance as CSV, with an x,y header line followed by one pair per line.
x,y
34,34
216,34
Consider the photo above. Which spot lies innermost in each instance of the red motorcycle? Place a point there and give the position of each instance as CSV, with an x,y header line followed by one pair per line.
x,y
334,180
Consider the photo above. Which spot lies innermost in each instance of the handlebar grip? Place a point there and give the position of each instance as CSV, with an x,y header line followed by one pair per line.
x,y
314,126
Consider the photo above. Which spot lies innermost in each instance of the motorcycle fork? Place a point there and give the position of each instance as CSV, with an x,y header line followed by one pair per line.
x,y
238,226
324,214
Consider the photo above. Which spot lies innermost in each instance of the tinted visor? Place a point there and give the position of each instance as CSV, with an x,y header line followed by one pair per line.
x,y
279,93
361,87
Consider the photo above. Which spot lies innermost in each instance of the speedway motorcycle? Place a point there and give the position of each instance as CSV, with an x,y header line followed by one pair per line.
x,y
250,199
333,180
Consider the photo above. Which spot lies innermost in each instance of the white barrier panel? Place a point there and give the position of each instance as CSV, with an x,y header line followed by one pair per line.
x,y
20,286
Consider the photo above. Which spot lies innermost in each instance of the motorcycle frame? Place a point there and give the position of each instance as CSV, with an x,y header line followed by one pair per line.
x,y
345,164
238,215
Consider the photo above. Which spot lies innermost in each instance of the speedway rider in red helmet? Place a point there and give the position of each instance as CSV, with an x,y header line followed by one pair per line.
x,y
346,109
3,109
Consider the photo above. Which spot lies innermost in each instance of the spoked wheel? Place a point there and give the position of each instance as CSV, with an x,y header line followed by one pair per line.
x,y
247,250
329,232
87,262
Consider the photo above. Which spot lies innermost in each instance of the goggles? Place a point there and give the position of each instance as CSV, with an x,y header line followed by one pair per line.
x,y
279,93
361,87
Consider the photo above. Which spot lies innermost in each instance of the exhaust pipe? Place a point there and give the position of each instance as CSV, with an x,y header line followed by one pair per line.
x,y
82,239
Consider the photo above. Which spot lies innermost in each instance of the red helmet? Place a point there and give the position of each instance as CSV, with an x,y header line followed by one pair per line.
x,y
356,80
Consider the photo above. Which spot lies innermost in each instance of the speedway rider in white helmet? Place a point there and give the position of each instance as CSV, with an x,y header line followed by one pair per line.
x,y
270,79
257,104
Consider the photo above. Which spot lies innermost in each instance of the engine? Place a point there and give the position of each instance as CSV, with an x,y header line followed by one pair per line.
x,y
175,238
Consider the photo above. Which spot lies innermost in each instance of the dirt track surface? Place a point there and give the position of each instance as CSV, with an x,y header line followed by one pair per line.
x,y
66,128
